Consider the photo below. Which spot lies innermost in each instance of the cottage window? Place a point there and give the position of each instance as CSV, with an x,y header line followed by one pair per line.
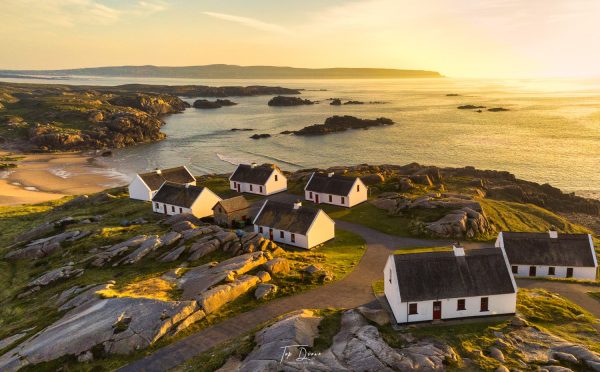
x,y
515,269
484,303
412,309
156,205
390,276
460,304
293,238
310,194
260,188
276,178
281,234
250,187
343,200
357,188
260,229
551,270
330,198
569,272
173,209
180,210
235,184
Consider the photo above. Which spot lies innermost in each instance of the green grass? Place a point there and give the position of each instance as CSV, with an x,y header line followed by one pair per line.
x,y
422,250
511,216
592,283
370,216
595,295
378,287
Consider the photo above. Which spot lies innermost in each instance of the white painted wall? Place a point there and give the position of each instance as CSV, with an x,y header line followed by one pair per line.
x,y
204,204
321,230
301,241
138,190
170,209
497,305
270,187
588,273
354,197
391,289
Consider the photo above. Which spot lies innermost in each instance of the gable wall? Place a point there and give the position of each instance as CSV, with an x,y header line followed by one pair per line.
x,y
138,190
321,230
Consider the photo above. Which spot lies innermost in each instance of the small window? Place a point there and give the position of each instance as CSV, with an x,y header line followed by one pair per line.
x,y
330,198
173,209
484,303
235,184
281,234
293,238
460,304
412,309
569,272
260,188
310,194
551,270
156,205
180,210
276,178
515,269
390,276
250,187
357,188
343,200
260,229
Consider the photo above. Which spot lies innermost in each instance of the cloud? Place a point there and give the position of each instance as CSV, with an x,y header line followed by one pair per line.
x,y
71,13
249,22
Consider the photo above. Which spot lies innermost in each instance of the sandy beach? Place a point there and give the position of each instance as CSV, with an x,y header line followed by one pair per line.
x,y
43,177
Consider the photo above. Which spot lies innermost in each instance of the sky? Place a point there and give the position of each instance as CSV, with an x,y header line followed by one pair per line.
x,y
461,38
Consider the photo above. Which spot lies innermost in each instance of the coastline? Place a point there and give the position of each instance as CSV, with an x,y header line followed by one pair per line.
x,y
44,177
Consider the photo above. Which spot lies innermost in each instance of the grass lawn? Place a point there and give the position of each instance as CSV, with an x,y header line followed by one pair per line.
x,y
378,287
370,216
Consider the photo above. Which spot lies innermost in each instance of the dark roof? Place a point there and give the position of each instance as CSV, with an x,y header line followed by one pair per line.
x,y
335,185
283,216
257,175
439,275
177,194
236,203
156,178
540,249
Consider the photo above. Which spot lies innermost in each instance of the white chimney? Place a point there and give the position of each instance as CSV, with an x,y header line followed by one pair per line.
x,y
553,234
297,204
158,171
459,251
330,174
253,165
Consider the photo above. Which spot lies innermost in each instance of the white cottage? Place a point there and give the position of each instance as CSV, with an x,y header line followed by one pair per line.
x,y
145,185
173,198
294,224
263,179
550,254
429,286
334,189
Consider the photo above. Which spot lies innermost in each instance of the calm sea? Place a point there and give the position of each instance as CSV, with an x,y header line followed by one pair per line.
x,y
551,133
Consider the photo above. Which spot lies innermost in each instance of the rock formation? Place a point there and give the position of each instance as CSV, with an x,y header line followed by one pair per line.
x,y
289,101
206,104
341,123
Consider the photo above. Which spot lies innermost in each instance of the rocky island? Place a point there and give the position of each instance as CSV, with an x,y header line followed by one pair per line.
x,y
470,107
40,117
336,123
206,104
289,101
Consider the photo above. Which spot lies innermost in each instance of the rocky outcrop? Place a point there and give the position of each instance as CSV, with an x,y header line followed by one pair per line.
x,y
358,346
152,104
206,104
463,223
289,101
203,91
46,246
52,276
336,123
264,291
215,298
101,326
277,266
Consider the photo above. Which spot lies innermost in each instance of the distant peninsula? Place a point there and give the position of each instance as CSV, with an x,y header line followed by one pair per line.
x,y
222,71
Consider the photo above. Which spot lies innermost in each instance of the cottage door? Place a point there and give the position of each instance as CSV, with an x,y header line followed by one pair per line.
x,y
437,310
238,187
569,272
316,199
532,271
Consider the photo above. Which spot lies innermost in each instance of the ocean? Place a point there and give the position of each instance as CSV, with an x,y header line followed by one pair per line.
x,y
550,135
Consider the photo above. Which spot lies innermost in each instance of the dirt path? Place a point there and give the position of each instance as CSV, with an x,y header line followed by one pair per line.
x,y
350,292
